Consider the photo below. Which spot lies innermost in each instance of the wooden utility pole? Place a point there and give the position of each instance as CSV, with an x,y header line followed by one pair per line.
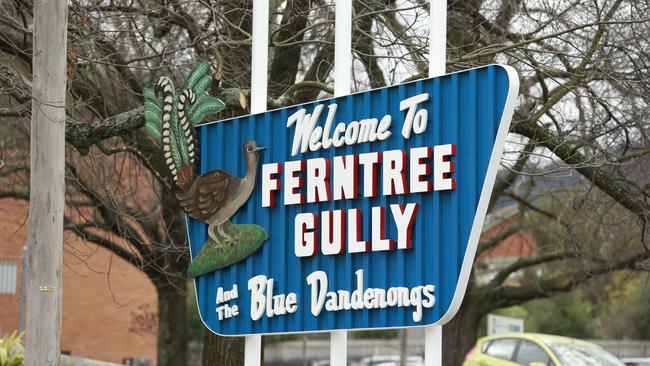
x,y
47,179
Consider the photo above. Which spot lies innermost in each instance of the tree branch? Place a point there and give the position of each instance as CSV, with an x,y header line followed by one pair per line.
x,y
82,231
525,263
598,176
504,296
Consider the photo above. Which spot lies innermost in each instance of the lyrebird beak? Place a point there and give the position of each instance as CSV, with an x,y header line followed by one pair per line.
x,y
259,148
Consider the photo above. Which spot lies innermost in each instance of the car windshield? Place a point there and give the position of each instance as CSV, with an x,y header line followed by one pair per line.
x,y
581,355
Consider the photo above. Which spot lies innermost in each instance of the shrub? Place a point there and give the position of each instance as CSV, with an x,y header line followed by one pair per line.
x,y
12,351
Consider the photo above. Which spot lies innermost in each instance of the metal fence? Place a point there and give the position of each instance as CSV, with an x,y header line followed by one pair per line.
x,y
625,348
291,352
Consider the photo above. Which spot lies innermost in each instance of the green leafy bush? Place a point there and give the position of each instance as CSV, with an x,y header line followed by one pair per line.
x,y
12,351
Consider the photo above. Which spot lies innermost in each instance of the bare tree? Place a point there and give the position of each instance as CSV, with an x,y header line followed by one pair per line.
x,y
582,108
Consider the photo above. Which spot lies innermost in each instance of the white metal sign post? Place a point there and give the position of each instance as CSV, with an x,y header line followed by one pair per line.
x,y
260,56
343,48
259,78
437,37
342,79
437,67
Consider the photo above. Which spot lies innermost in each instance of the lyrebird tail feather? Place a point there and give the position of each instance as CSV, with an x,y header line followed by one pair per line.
x,y
165,88
152,113
170,120
188,96
200,70
186,140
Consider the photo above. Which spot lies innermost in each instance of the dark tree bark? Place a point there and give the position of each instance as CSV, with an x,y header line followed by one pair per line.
x,y
462,34
171,285
172,327
236,58
284,64
318,71
364,45
218,350
459,335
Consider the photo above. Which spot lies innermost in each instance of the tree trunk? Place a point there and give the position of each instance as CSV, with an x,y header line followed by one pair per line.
x,y
218,350
172,323
459,335
285,60
47,179
235,70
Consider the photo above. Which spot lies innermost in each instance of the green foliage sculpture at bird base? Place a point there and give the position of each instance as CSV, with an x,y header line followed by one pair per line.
x,y
170,118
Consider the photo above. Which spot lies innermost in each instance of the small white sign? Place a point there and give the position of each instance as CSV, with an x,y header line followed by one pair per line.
x,y
497,324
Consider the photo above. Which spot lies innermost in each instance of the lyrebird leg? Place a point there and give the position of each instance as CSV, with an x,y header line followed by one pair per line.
x,y
222,232
212,234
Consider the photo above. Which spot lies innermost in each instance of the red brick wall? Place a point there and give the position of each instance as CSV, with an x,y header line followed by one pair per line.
x,y
102,295
520,244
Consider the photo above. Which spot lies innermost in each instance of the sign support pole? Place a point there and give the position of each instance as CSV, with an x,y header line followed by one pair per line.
x,y
433,345
342,79
259,81
437,37
260,56
437,67
342,47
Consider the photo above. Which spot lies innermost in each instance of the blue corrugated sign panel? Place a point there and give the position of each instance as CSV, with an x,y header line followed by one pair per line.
x,y
378,226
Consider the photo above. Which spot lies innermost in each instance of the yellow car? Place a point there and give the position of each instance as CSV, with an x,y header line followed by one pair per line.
x,y
531,349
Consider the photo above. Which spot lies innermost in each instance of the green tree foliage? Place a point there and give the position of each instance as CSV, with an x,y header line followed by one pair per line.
x,y
606,308
626,314
565,314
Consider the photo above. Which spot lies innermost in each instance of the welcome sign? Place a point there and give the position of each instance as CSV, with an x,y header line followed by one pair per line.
x,y
356,212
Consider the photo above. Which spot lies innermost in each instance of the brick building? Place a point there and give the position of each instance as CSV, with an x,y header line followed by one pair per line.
x,y
109,307
512,248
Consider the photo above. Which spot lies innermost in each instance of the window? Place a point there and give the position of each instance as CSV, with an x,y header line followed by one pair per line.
x,y
583,354
8,273
530,352
485,346
502,348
